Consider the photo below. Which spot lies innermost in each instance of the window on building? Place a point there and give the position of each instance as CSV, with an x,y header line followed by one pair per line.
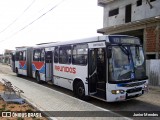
x,y
56,54
151,56
139,2
80,54
65,54
152,0
114,12
128,13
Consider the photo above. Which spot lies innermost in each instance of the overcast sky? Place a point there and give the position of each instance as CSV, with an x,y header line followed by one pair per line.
x,y
71,19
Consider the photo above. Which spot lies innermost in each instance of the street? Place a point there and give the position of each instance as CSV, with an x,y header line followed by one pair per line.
x,y
147,102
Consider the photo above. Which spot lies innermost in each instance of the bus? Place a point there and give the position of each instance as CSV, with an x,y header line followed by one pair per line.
x,y
21,61
110,67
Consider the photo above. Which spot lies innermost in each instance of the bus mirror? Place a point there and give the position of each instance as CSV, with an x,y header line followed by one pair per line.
x,y
109,52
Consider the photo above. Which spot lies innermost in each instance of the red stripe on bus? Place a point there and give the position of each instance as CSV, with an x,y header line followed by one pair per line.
x,y
38,65
22,63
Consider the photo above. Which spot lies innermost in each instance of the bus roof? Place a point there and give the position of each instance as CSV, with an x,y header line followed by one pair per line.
x,y
78,41
85,40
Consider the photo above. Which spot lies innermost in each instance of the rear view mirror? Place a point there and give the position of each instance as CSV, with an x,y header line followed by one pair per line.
x,y
109,52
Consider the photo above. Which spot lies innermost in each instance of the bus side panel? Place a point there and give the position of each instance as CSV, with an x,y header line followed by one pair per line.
x,y
22,68
40,67
64,75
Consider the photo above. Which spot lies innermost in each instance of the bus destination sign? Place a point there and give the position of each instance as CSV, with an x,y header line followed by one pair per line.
x,y
124,40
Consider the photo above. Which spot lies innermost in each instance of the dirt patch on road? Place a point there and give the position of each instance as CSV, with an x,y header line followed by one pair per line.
x,y
13,107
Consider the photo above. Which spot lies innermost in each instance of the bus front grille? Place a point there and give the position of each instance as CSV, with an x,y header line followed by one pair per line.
x,y
138,89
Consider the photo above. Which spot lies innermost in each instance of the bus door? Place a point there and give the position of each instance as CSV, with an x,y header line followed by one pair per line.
x,y
97,71
49,65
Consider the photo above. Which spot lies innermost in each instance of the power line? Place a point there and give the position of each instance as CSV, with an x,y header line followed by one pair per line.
x,y
34,20
42,15
17,17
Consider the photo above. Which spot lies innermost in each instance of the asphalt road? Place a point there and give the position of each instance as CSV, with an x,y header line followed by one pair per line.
x,y
149,102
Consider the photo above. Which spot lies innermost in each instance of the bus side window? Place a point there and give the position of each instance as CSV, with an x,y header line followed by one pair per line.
x,y
80,54
24,55
56,53
21,55
42,55
65,54
17,56
36,55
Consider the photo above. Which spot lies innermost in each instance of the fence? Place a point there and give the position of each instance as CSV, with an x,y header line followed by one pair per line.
x,y
153,72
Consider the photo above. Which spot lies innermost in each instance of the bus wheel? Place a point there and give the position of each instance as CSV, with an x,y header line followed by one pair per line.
x,y
38,78
80,91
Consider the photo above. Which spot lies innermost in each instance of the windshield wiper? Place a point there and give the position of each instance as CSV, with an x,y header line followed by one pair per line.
x,y
125,50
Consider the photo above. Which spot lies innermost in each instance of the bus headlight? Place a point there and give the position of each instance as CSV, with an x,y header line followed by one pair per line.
x,y
146,87
117,91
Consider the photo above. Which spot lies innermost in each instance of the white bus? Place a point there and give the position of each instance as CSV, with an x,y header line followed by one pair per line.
x,y
21,61
110,68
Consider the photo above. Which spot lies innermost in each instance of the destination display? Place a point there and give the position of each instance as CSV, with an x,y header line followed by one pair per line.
x,y
124,40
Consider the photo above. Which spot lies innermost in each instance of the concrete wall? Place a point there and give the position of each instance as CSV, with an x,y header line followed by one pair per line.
x,y
153,72
138,12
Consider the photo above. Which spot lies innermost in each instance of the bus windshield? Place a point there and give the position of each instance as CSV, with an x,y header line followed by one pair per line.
x,y
127,62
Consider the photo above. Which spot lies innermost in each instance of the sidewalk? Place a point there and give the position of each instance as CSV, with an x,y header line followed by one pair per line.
x,y
154,88
46,99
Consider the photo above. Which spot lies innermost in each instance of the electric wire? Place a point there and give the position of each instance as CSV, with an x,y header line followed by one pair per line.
x,y
17,17
15,33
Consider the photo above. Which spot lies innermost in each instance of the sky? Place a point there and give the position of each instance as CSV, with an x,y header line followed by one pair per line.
x,y
24,22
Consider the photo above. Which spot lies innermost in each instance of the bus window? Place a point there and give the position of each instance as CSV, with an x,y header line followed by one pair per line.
x,y
24,55
80,54
20,55
65,54
36,55
42,55
17,56
56,55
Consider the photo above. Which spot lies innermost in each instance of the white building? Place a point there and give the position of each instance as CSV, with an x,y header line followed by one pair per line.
x,y
139,18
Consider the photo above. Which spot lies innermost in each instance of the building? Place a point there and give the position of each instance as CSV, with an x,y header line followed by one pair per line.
x,y
1,58
7,56
139,18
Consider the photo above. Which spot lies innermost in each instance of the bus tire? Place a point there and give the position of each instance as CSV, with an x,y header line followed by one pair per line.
x,y
80,90
38,78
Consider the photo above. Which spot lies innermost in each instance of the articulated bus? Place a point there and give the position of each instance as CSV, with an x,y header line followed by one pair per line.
x,y
110,68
